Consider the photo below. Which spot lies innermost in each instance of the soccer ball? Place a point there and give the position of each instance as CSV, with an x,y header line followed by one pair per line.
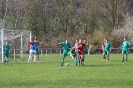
x,y
66,64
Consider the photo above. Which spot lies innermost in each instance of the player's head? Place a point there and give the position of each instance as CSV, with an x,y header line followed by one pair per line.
x,y
125,38
6,42
105,39
84,41
77,40
80,40
66,41
35,40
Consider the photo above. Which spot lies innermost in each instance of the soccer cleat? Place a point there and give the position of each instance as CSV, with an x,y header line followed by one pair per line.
x,y
82,64
76,63
107,60
122,60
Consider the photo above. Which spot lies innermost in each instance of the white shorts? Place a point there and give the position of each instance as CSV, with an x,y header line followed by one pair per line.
x,y
32,51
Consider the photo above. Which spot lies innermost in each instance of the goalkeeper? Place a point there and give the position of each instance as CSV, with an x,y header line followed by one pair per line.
x,y
6,52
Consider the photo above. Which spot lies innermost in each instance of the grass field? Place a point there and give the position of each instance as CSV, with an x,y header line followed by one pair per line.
x,y
47,73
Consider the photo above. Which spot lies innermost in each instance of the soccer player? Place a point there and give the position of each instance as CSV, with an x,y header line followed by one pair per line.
x,y
84,49
125,46
80,47
103,42
37,46
107,49
66,51
33,48
6,52
76,54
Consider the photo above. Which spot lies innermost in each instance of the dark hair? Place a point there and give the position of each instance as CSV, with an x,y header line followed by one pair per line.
x,y
105,38
125,37
77,39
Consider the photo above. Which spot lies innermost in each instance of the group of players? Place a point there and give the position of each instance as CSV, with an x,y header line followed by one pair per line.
x,y
106,48
77,52
33,50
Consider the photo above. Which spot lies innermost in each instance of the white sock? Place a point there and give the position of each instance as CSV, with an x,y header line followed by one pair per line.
x,y
30,57
34,57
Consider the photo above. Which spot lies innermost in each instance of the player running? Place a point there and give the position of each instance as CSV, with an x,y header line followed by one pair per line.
x,y
125,46
107,49
66,51
6,52
103,42
80,47
33,50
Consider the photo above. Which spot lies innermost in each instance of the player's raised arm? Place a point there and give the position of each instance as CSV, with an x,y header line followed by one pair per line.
x,y
61,43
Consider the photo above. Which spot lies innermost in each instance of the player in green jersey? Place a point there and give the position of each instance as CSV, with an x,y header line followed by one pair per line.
x,y
66,51
6,48
125,46
107,49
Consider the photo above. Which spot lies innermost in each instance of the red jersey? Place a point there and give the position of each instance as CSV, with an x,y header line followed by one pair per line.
x,y
30,43
80,49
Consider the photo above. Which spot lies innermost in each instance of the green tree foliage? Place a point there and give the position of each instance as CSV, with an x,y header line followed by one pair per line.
x,y
52,21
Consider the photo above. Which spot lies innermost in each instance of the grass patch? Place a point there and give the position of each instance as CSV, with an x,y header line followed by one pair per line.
x,y
47,73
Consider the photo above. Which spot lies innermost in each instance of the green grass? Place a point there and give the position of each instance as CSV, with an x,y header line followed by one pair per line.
x,y
47,73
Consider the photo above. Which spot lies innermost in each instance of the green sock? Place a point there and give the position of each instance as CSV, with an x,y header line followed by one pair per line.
x,y
61,63
126,58
73,59
83,61
104,57
78,62
122,57
37,56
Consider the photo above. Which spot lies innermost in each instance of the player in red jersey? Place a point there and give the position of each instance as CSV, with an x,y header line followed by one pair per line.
x,y
80,47
103,42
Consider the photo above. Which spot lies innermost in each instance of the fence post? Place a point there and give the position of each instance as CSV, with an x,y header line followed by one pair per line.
x,y
41,52
14,54
46,52
88,51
